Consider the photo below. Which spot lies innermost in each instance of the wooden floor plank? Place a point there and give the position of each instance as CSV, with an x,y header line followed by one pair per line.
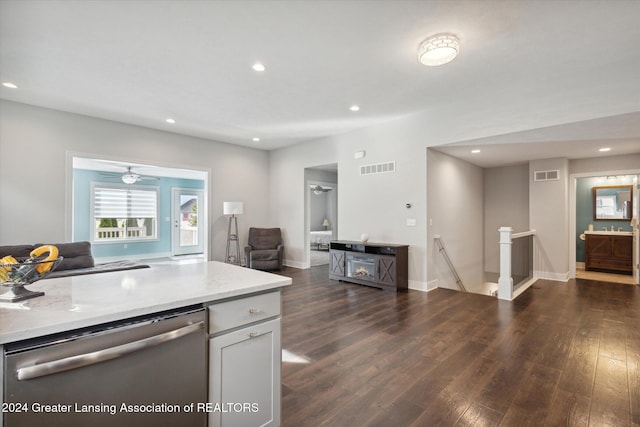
x,y
560,354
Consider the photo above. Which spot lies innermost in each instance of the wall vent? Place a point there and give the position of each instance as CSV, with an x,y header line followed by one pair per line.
x,y
378,168
553,175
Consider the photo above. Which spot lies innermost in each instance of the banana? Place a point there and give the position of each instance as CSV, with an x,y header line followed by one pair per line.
x,y
7,262
53,255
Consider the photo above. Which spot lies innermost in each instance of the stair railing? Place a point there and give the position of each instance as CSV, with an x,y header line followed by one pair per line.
x,y
452,268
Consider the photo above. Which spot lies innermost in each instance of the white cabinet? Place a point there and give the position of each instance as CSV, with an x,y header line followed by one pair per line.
x,y
244,362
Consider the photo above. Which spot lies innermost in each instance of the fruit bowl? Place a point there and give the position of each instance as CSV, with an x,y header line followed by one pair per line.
x,y
23,272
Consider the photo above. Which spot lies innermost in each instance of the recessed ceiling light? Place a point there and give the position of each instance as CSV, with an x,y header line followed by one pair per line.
x,y
438,50
10,85
603,149
476,151
170,120
354,108
256,139
258,67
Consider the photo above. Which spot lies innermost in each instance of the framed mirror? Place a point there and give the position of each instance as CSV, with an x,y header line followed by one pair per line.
x,y
612,203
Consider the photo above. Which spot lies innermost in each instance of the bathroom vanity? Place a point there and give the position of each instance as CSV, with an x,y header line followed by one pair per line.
x,y
609,251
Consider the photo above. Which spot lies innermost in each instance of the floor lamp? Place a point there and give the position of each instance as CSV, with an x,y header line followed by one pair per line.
x,y
233,209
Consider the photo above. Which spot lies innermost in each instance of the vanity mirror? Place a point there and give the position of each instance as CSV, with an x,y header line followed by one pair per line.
x,y
612,203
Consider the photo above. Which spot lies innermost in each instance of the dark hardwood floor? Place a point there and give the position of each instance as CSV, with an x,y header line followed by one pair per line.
x,y
562,354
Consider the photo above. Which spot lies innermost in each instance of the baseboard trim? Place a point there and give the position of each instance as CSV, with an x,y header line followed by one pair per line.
x,y
296,264
548,275
421,286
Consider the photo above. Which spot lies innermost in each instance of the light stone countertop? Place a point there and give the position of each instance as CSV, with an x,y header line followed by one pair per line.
x,y
81,301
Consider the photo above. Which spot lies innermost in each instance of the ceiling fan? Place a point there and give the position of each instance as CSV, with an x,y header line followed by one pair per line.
x,y
129,176
319,189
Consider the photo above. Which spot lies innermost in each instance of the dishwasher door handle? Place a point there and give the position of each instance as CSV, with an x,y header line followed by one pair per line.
x,y
74,362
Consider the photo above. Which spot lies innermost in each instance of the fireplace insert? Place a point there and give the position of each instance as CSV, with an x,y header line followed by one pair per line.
x,y
361,267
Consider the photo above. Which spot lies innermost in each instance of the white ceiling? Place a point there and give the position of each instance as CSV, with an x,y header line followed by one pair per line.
x,y
141,61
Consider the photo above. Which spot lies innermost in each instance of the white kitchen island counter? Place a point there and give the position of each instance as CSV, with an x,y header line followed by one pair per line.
x,y
239,332
80,301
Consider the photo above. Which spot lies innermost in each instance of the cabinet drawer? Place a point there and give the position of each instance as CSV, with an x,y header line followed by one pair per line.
x,y
609,264
243,311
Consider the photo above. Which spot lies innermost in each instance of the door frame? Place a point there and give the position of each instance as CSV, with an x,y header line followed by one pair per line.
x,y
572,211
175,218
307,213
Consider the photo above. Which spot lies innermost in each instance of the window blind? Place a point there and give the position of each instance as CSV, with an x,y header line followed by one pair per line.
x,y
110,202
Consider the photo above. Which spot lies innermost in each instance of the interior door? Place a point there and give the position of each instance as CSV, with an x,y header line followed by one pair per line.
x,y
635,221
188,221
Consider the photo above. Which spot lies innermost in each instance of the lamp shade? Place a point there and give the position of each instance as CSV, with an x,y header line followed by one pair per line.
x,y
232,208
325,223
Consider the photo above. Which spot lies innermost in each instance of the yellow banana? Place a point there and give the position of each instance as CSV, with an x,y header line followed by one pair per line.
x,y
7,262
53,255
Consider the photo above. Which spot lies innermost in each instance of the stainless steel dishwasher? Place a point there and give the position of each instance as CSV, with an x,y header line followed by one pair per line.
x,y
145,371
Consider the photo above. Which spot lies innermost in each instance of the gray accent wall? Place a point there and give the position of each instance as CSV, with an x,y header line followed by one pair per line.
x,y
455,197
549,216
506,204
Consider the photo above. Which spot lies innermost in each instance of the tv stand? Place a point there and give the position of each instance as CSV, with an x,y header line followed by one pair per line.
x,y
380,265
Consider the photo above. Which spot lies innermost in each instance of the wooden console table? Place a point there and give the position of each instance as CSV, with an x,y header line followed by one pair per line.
x,y
380,265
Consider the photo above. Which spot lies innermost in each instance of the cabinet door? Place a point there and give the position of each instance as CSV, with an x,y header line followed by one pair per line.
x,y
622,246
598,246
336,263
244,376
386,270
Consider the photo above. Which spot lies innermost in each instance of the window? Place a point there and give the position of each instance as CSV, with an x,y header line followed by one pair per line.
x,y
124,212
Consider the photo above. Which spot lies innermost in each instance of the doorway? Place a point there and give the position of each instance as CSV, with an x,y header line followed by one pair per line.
x,y
581,219
187,219
321,212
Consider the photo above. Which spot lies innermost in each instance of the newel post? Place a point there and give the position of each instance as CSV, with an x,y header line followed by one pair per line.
x,y
505,281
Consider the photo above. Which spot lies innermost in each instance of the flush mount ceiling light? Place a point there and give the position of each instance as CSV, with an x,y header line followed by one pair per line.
x,y
439,49
258,67
604,149
256,139
10,85
354,108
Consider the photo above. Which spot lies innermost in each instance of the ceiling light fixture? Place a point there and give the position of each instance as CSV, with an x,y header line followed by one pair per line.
x,y
438,50
256,139
354,108
604,149
258,67
10,85
476,151
170,120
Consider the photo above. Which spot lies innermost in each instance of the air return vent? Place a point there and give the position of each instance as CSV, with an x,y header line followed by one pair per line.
x,y
553,175
378,168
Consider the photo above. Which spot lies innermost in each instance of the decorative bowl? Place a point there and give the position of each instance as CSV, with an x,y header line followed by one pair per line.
x,y
25,272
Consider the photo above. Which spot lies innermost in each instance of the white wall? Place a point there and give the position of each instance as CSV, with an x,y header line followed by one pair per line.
x,y
455,194
506,203
549,216
373,204
629,162
34,143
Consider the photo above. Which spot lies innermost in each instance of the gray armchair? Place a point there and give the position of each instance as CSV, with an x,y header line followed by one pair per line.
x,y
265,250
